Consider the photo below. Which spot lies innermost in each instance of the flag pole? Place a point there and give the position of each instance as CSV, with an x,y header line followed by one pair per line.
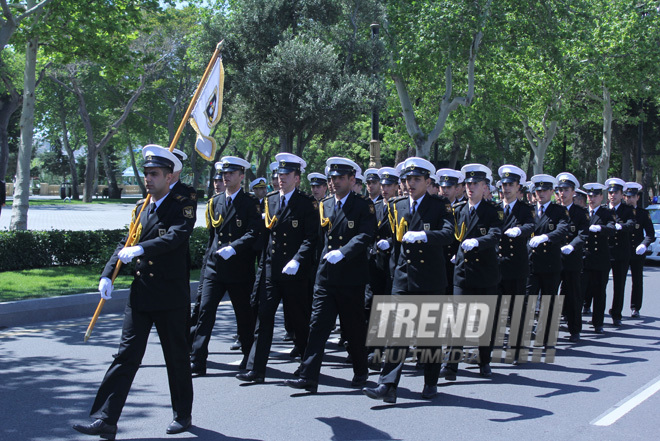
x,y
133,230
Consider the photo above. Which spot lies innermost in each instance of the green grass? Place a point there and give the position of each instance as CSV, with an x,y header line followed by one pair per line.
x,y
57,281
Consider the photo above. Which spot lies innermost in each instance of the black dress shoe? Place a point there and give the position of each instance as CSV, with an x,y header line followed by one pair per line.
x,y
634,314
296,373
198,370
385,392
429,391
599,330
485,370
98,428
301,383
179,425
287,337
295,352
250,377
586,311
235,346
574,338
243,364
617,322
448,374
360,380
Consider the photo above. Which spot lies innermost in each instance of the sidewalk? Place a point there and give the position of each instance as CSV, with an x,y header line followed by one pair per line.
x,y
80,217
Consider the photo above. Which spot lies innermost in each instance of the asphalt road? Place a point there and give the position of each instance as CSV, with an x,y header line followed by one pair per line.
x,y
48,379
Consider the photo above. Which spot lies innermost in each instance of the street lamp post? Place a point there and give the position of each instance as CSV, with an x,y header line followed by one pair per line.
x,y
374,144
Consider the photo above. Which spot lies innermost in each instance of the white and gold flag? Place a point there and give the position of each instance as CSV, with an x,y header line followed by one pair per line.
x,y
207,111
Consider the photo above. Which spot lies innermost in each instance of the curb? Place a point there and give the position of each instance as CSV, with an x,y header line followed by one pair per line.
x,y
31,311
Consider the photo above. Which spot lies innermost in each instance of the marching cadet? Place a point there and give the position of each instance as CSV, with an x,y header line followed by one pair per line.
x,y
580,198
273,176
518,225
422,225
234,222
624,222
218,183
552,226
292,225
359,179
348,224
373,185
478,229
572,254
379,252
449,180
178,187
641,237
403,184
597,254
159,296
434,185
319,185
460,195
259,188
531,193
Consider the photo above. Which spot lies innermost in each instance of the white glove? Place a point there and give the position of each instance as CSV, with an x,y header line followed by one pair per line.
x,y
595,228
414,236
334,256
291,268
127,254
618,227
513,232
538,240
468,244
226,252
105,288
453,259
640,250
567,249
383,245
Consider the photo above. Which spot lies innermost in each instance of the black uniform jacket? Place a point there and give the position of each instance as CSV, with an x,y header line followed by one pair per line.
x,y
578,232
185,190
514,261
546,258
161,273
238,226
350,230
479,267
381,258
643,233
620,243
420,266
291,233
596,248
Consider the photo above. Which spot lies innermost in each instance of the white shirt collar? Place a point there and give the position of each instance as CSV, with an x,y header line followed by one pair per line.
x,y
475,205
342,200
419,201
233,195
287,196
159,201
511,205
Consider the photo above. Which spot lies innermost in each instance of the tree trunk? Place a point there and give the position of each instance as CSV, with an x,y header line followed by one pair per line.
x,y
539,144
113,188
628,155
603,161
19,208
69,153
286,141
455,150
131,154
8,105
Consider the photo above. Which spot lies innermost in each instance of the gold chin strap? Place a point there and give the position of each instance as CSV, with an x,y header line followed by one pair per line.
x,y
401,228
270,221
325,221
210,220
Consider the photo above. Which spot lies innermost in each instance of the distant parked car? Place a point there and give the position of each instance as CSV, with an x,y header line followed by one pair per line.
x,y
653,252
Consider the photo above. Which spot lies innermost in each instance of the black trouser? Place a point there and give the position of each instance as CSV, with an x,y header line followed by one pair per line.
x,y
546,283
484,351
171,326
294,296
619,274
637,292
330,301
594,284
393,366
572,291
212,293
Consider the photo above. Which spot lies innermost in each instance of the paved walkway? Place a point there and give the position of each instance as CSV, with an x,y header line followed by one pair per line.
x,y
81,217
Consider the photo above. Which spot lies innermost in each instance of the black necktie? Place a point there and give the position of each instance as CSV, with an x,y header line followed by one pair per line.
x,y
338,208
591,213
541,210
507,212
282,205
472,210
414,207
228,202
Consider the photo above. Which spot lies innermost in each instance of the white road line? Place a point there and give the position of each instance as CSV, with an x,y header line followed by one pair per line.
x,y
628,404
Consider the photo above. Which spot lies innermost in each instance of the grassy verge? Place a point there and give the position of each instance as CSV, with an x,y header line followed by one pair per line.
x,y
57,281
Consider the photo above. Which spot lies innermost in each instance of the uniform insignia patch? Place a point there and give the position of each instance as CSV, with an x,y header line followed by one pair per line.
x,y
193,196
448,208
372,210
161,232
351,224
188,212
572,228
316,205
258,208
637,226
427,227
482,231
239,223
294,223
634,212
500,214
551,227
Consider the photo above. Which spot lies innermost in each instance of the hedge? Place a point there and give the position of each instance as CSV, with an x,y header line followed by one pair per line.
x,y
21,250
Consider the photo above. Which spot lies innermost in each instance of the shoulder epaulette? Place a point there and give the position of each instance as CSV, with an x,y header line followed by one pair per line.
x,y
181,199
326,198
271,193
459,204
140,202
398,198
253,197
